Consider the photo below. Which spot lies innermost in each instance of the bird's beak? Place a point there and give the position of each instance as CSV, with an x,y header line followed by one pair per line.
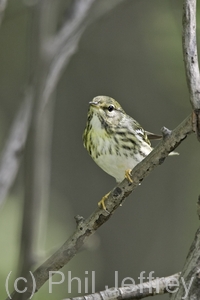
x,y
93,103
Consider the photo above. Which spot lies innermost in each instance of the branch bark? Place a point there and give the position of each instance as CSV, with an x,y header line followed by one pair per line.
x,y
190,55
85,228
158,286
190,273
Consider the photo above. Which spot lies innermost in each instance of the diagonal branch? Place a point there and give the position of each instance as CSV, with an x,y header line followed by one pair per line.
x,y
86,228
158,286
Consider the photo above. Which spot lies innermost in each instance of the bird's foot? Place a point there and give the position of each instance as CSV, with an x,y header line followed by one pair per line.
x,y
128,175
101,203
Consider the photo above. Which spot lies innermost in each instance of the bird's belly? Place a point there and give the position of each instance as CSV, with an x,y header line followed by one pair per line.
x,y
113,158
116,165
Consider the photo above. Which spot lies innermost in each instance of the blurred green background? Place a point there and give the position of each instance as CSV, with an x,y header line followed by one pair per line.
x,y
133,54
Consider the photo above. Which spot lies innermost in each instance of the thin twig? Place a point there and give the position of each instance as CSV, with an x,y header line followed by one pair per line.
x,y
86,228
12,152
158,286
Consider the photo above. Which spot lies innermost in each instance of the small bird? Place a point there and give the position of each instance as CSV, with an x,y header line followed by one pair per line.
x,y
115,141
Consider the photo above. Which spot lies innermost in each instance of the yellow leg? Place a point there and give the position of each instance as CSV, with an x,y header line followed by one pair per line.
x,y
102,202
128,175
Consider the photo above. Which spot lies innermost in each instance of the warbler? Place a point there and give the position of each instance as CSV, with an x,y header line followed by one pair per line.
x,y
115,141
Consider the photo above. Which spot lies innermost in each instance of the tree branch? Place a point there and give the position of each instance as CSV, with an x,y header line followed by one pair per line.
x,y
13,149
3,4
190,272
60,48
38,151
86,228
158,286
79,10
190,55
46,71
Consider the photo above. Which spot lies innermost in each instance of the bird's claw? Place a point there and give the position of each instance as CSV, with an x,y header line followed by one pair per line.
x,y
128,175
101,203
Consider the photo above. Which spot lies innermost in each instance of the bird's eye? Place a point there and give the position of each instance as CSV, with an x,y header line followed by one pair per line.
x,y
110,108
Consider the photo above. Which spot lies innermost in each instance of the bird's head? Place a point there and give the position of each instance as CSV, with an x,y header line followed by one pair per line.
x,y
106,109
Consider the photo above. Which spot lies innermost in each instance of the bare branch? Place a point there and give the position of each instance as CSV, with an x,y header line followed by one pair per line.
x,y
60,48
191,58
12,152
63,45
158,286
37,158
190,52
79,11
78,17
58,65
47,70
3,4
191,273
87,227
